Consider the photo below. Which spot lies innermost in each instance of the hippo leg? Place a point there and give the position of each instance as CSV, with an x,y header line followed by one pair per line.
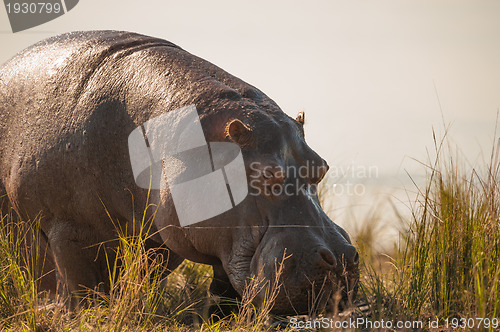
x,y
222,288
76,256
46,267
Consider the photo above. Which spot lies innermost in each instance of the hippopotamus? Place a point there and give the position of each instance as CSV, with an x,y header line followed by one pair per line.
x,y
68,106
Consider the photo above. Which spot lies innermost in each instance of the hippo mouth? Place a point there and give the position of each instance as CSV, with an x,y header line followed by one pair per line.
x,y
327,286
331,294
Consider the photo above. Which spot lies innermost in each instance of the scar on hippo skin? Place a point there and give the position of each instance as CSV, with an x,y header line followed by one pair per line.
x,y
239,133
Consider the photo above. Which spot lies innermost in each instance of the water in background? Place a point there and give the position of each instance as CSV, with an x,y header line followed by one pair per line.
x,y
379,202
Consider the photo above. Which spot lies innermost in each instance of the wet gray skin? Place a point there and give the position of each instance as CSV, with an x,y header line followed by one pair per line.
x,y
67,106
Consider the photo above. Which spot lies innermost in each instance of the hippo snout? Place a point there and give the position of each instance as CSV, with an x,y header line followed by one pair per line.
x,y
320,272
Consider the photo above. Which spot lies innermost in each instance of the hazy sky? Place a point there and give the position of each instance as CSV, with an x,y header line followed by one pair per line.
x,y
367,73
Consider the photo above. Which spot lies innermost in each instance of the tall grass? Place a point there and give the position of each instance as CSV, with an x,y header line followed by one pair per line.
x,y
447,265
140,297
21,263
448,262
452,258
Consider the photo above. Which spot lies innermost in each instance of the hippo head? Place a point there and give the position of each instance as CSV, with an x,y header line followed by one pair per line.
x,y
283,171
280,217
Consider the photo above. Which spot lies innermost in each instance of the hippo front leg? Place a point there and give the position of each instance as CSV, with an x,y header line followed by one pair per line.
x,y
81,267
228,297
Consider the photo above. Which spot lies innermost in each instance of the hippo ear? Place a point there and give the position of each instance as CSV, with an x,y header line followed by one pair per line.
x,y
301,118
239,133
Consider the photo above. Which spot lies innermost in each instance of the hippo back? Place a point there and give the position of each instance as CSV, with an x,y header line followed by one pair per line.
x,y
68,104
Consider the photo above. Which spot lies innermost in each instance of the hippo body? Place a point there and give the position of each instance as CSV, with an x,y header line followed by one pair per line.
x,y
67,107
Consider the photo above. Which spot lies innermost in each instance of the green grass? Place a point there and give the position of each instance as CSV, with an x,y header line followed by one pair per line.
x,y
140,297
446,266
19,297
452,257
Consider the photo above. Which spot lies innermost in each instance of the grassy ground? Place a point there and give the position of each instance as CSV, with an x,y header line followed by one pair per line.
x,y
446,268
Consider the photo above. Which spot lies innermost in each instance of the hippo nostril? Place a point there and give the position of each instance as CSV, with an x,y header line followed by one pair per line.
x,y
328,257
356,258
351,255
